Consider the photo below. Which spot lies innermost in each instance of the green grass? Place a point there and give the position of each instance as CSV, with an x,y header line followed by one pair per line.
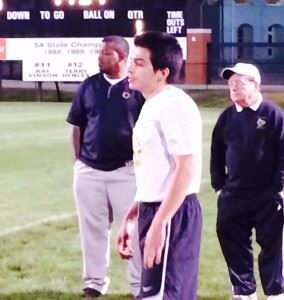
x,y
220,98
205,98
40,255
28,95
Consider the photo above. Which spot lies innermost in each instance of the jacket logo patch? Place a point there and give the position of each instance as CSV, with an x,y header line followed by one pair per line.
x,y
260,123
126,95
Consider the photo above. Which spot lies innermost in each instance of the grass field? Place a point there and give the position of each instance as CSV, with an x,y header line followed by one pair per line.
x,y
39,243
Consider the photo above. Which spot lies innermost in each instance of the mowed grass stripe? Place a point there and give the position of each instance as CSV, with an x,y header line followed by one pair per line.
x,y
50,219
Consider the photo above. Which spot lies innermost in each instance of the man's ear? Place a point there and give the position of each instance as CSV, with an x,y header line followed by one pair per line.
x,y
163,74
121,55
257,86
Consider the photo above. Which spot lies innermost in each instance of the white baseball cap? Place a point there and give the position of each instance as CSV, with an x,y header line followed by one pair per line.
x,y
242,69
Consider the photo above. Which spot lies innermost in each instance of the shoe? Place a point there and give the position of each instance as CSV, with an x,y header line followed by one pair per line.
x,y
90,293
276,297
245,297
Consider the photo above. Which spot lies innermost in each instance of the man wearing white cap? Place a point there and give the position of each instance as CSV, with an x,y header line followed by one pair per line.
x,y
247,172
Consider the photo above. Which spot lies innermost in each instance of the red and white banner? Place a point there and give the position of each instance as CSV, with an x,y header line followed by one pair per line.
x,y
2,49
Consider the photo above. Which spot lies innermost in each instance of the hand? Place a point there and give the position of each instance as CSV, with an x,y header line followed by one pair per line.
x,y
124,240
219,192
154,245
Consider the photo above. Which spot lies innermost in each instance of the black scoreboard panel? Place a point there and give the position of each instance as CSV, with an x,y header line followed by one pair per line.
x,y
130,4
30,18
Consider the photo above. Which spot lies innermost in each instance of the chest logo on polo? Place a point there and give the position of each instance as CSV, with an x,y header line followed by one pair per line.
x,y
126,95
260,123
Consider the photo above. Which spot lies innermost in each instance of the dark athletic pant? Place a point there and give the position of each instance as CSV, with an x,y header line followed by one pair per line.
x,y
175,278
237,217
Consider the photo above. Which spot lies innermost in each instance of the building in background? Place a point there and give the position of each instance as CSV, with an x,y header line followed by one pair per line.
x,y
249,31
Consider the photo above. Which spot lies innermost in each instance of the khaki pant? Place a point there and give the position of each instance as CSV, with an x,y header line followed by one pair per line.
x,y
101,197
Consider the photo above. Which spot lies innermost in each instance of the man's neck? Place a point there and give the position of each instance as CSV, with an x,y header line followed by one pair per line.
x,y
155,90
113,81
115,75
248,101
119,72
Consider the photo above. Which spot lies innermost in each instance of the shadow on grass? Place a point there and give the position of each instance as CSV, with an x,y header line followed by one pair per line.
x,y
50,295
213,298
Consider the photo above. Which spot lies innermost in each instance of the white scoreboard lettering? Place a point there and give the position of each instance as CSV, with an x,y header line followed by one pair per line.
x,y
58,15
44,14
175,22
135,14
98,14
18,15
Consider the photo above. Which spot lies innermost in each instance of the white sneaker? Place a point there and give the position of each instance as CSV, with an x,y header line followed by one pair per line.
x,y
276,297
245,297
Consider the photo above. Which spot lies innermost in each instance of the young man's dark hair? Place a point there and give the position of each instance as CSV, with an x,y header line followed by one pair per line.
x,y
165,52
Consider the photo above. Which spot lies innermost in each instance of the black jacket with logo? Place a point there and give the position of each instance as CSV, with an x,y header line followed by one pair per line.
x,y
247,150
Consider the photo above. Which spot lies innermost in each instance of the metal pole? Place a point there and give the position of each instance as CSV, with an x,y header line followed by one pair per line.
x,y
201,13
59,98
1,76
39,86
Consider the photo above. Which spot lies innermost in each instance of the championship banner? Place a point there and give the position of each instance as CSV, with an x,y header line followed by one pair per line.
x,y
55,59
58,59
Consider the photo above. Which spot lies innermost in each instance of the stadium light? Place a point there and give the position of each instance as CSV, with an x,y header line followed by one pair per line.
x,y
85,2
139,25
57,2
102,2
1,5
71,2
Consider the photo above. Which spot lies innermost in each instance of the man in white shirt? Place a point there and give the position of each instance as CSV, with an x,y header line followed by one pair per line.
x,y
167,161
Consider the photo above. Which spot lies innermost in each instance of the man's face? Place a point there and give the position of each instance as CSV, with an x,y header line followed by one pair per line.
x,y
108,58
141,75
242,89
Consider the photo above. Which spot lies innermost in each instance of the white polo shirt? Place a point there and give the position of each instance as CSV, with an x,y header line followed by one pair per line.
x,y
169,124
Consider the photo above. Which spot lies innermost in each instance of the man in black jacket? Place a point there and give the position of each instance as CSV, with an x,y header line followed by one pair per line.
x,y
247,172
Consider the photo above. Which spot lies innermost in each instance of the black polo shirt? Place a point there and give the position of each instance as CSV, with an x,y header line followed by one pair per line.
x,y
106,115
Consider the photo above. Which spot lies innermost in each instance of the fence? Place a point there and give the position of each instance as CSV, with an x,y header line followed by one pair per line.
x,y
11,70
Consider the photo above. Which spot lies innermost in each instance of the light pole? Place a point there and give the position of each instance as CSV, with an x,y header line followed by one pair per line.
x,y
203,2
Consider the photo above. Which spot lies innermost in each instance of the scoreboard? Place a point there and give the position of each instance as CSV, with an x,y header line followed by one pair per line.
x,y
45,20
86,22
62,43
